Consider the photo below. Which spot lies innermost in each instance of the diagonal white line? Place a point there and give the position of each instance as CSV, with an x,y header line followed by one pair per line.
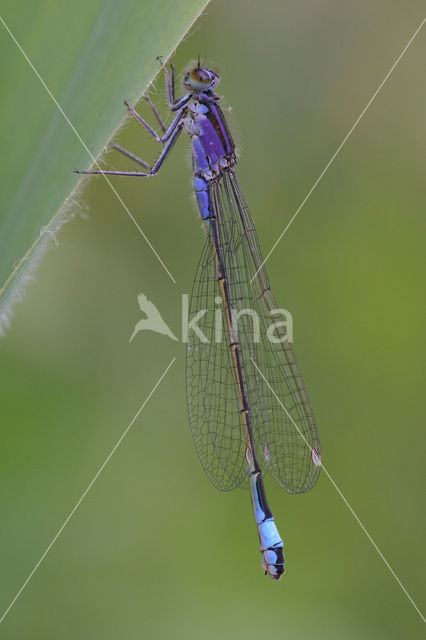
x,y
340,146
343,498
84,494
87,149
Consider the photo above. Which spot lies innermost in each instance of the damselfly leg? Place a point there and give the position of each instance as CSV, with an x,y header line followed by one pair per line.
x,y
169,137
130,155
155,112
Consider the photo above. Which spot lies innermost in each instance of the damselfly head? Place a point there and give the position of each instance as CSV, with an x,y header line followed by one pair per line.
x,y
201,79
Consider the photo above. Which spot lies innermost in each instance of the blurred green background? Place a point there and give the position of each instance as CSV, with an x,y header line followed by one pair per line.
x,y
154,551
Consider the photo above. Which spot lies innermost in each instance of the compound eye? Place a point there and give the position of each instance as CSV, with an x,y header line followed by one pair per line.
x,y
200,76
201,79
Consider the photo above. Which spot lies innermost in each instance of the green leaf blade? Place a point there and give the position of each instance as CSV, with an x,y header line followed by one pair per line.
x,y
91,56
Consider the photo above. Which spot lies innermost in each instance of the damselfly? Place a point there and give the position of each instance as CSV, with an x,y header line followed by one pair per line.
x,y
248,406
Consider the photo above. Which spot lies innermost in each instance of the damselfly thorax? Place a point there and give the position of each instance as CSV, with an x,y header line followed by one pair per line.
x,y
212,145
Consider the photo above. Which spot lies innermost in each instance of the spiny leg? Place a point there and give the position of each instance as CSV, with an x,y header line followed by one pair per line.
x,y
168,146
170,90
172,67
148,127
174,104
113,173
167,135
130,155
155,112
168,139
142,122
155,168
152,106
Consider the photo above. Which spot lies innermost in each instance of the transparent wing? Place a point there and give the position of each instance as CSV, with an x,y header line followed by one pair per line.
x,y
211,387
286,439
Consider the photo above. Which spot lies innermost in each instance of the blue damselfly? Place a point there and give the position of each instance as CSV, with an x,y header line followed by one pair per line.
x,y
248,406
